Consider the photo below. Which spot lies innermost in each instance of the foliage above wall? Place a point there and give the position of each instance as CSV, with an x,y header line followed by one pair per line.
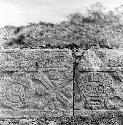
x,y
97,27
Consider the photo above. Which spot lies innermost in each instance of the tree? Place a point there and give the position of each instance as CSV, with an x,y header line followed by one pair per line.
x,y
96,12
75,18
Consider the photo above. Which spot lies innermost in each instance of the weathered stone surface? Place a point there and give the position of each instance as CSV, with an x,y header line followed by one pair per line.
x,y
86,117
30,60
62,120
99,80
93,90
39,83
101,60
38,80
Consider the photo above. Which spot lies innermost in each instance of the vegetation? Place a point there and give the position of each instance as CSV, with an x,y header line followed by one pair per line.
x,y
98,28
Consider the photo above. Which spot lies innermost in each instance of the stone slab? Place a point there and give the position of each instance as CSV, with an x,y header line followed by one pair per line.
x,y
101,60
36,80
31,60
98,82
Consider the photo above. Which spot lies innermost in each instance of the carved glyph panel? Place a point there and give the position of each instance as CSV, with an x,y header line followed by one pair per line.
x,y
93,89
40,80
30,60
99,80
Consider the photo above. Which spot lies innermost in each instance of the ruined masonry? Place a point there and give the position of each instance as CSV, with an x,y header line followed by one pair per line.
x,y
61,86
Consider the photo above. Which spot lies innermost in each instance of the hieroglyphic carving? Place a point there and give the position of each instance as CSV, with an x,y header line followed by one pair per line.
x,y
43,80
36,80
15,92
94,88
99,73
27,60
32,92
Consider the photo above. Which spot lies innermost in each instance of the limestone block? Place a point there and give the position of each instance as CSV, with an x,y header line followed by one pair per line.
x,y
36,80
98,82
101,60
30,60
93,90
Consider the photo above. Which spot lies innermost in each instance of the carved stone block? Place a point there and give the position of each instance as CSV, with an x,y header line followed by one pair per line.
x,y
98,82
92,90
35,80
101,60
31,60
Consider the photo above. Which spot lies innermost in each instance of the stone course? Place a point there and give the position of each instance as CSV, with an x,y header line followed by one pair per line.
x,y
36,83
61,87
98,87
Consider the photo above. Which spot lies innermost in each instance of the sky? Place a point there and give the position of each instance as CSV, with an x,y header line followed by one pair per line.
x,y
22,12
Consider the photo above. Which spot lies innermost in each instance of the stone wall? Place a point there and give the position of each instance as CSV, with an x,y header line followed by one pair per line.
x,y
36,83
99,87
59,87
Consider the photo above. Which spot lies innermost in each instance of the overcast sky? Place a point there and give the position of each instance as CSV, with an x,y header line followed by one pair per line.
x,y
22,12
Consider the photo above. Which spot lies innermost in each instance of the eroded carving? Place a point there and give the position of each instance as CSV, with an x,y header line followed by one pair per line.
x,y
15,60
94,90
34,91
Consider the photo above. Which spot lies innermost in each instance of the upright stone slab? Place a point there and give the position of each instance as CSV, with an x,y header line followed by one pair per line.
x,y
35,83
98,86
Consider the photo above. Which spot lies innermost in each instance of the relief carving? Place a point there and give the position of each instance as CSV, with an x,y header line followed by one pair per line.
x,y
94,90
98,80
33,91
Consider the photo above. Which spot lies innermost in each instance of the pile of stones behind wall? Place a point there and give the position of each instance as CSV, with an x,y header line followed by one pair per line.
x,y
61,87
